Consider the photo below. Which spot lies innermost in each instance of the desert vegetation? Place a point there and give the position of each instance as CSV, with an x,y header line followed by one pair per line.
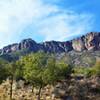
x,y
40,70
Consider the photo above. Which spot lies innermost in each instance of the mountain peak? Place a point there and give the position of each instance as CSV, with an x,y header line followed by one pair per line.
x,y
90,41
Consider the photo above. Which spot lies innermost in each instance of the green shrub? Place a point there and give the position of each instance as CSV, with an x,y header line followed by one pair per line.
x,y
96,68
85,71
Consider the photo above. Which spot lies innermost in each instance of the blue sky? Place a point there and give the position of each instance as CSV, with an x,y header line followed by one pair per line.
x,y
45,20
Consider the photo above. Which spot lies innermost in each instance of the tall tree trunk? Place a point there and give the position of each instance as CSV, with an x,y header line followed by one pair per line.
x,y
39,94
11,85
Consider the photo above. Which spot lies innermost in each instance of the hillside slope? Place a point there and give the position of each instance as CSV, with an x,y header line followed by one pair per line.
x,y
82,51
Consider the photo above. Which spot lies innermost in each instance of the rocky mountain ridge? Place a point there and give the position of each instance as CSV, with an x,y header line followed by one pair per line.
x,y
88,42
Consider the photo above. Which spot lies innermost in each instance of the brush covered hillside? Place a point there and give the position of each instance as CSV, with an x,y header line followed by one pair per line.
x,y
51,70
82,51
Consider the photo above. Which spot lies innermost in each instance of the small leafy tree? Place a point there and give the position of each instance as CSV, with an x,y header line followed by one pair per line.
x,y
49,74
55,71
19,70
34,65
3,71
41,69
11,71
64,69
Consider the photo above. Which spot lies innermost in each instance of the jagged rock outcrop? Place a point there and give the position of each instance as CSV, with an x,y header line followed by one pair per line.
x,y
28,44
90,41
31,45
78,44
9,48
57,47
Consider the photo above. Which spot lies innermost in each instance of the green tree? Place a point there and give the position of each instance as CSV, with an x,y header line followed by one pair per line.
x,y
11,72
49,74
3,71
19,70
34,65
41,69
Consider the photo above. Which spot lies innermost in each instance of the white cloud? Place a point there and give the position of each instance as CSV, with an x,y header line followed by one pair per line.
x,y
65,26
51,21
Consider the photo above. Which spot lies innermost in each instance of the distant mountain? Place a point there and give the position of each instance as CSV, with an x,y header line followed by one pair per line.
x,y
88,43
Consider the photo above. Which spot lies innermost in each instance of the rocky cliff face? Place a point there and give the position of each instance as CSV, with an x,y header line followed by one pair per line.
x,y
91,41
